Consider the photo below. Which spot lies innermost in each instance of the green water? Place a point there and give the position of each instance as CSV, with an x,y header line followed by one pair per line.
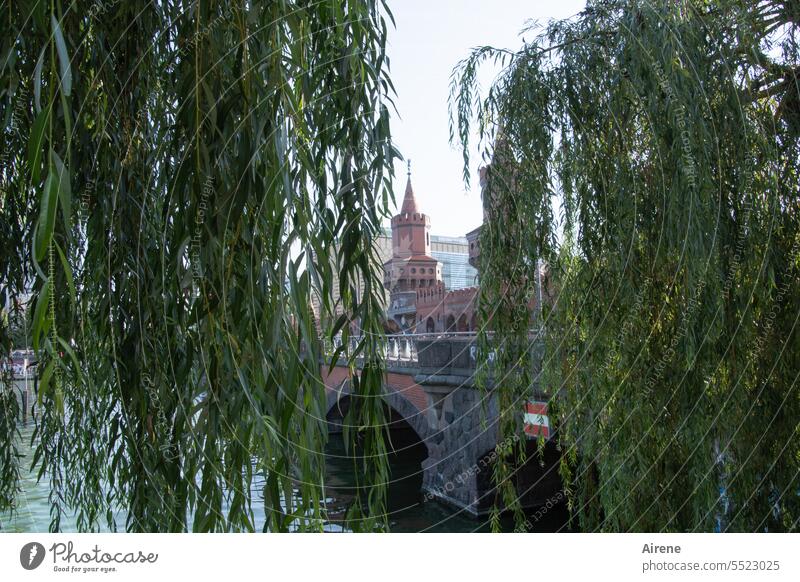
x,y
33,508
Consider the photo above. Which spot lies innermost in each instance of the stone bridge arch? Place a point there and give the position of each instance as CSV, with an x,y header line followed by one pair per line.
x,y
455,425
410,413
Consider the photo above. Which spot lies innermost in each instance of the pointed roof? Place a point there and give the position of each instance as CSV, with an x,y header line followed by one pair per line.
x,y
409,202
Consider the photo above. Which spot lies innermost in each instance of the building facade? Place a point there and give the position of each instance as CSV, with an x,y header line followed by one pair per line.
x,y
451,251
430,291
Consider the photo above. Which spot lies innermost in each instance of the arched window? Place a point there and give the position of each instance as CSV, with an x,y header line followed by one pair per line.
x,y
430,325
462,323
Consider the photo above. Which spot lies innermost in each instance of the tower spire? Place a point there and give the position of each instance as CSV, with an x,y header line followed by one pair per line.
x,y
409,202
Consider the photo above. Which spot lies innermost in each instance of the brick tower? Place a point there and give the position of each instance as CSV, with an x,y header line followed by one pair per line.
x,y
411,267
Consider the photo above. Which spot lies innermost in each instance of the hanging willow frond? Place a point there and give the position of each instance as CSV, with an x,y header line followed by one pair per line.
x,y
666,135
172,172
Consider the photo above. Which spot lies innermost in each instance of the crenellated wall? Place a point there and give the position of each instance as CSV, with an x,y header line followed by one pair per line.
x,y
439,310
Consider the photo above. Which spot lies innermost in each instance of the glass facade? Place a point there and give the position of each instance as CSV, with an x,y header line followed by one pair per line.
x,y
453,253
457,273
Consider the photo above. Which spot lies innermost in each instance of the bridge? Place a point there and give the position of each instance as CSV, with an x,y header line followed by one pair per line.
x,y
431,387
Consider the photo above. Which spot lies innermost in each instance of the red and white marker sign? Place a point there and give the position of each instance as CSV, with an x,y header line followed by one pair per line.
x,y
535,420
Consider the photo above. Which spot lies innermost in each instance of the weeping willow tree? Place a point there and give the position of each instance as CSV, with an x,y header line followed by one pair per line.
x,y
175,175
648,151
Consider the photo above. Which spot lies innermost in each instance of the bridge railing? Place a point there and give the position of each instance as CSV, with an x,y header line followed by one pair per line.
x,y
398,351
458,350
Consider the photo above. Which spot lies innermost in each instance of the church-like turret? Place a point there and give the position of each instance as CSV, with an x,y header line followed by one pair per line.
x,y
411,267
411,228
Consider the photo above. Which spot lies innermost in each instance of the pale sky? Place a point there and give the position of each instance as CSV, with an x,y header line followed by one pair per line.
x,y
430,38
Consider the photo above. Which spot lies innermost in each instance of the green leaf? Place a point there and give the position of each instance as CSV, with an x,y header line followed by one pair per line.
x,y
64,190
340,323
37,82
39,313
35,142
39,13
68,274
47,215
63,58
69,351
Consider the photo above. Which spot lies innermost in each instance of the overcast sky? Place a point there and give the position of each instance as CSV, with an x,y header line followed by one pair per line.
x,y
430,38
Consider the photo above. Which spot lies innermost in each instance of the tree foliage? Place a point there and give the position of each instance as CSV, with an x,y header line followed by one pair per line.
x,y
175,174
649,152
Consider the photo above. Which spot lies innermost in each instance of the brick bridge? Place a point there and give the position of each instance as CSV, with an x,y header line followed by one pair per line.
x,y
430,386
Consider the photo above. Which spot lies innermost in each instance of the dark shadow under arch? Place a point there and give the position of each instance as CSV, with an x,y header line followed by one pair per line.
x,y
407,441
538,485
462,323
451,323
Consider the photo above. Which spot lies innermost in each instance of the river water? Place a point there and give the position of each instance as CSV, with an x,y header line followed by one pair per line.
x,y
408,510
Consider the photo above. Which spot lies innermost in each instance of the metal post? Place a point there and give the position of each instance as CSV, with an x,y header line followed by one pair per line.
x,y
539,291
27,389
24,394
